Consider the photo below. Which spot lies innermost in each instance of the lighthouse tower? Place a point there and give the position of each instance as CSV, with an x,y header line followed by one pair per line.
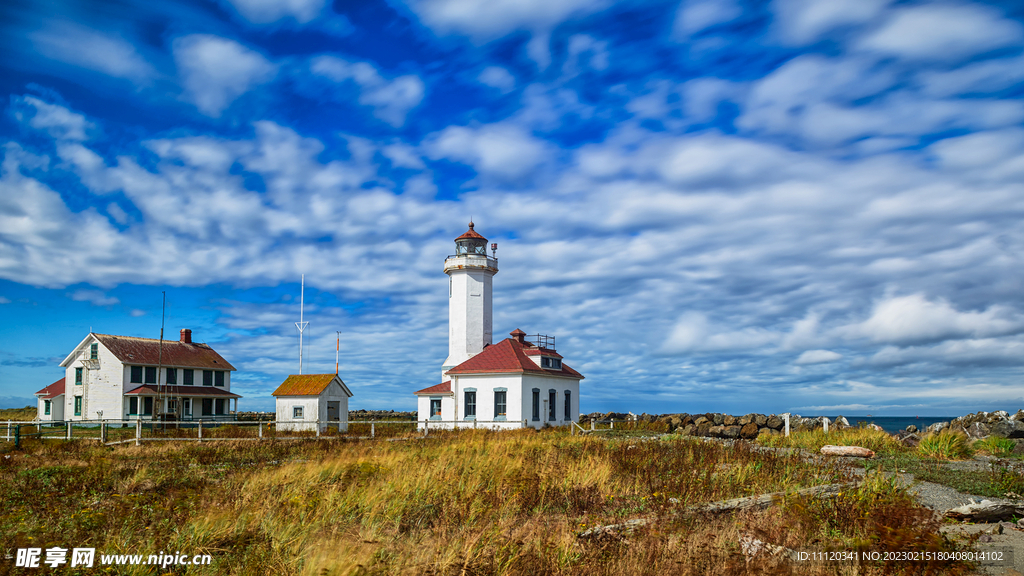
x,y
469,271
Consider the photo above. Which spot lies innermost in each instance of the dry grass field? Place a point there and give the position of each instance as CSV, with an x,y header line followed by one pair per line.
x,y
468,503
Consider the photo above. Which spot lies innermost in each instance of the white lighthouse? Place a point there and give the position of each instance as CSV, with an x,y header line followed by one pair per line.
x,y
470,271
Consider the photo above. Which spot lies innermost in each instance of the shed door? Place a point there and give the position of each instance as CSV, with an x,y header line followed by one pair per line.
x,y
333,407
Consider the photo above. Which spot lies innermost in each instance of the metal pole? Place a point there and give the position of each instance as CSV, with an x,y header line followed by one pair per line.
x,y
103,432
8,437
200,430
261,429
138,432
300,324
373,430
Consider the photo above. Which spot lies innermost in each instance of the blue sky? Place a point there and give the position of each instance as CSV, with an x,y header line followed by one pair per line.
x,y
809,206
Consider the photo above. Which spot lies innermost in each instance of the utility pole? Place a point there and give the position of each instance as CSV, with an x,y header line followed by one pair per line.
x,y
300,324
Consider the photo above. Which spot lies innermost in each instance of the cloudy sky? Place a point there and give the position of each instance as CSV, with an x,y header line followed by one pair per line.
x,y
796,205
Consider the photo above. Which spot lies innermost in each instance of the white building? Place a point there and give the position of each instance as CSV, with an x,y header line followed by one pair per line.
x,y
50,402
520,380
304,399
123,377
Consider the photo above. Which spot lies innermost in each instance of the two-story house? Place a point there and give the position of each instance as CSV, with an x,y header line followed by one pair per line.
x,y
126,378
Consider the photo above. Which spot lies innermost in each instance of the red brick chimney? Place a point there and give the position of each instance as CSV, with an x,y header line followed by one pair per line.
x,y
186,335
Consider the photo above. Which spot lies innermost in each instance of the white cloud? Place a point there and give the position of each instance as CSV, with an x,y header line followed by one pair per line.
x,y
80,46
4,300
817,357
504,151
403,156
692,333
487,20
137,313
804,21
913,319
983,77
268,11
57,121
94,297
585,51
497,77
215,71
696,15
390,99
943,32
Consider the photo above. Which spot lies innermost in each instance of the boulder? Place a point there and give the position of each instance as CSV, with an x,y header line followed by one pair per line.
x,y
910,440
874,426
937,427
687,430
761,420
700,420
855,451
774,422
744,420
749,431
732,432
1008,429
911,428
687,420
1018,416
842,422
997,416
978,430
728,420
716,431
718,419
704,428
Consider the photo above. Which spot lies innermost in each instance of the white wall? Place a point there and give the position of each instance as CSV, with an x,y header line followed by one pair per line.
x,y
470,324
313,408
56,409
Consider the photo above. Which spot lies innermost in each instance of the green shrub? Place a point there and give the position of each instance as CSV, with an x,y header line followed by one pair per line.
x,y
946,445
995,446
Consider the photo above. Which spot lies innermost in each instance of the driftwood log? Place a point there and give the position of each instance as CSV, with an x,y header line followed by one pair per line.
x,y
855,451
986,511
715,508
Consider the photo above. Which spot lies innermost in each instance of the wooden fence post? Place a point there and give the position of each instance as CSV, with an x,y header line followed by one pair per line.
x,y
373,429
426,428
261,429
138,432
200,430
103,432
67,433
317,427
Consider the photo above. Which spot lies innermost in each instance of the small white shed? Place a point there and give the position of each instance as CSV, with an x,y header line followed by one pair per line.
x,y
304,399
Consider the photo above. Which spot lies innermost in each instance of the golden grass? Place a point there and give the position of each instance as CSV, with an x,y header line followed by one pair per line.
x,y
876,440
470,503
945,445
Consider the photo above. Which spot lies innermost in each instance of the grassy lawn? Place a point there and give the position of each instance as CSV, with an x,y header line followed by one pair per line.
x,y
472,502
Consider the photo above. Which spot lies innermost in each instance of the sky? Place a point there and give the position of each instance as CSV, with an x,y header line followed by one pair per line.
x,y
713,205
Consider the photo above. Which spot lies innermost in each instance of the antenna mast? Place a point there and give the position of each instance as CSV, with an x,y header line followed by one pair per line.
x,y
300,324
160,391
337,355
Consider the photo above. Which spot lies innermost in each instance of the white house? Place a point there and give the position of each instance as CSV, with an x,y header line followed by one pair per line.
x,y
520,381
50,402
124,377
304,399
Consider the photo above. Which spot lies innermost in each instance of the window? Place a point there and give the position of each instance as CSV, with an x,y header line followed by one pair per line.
x,y
172,375
136,375
188,377
220,405
553,363
147,405
500,397
568,405
536,403
218,378
150,374
78,405
78,375
94,352
435,408
207,377
470,403
551,405
46,407
207,406
133,406
297,412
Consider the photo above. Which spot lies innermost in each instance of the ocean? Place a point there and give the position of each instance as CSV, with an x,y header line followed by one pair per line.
x,y
892,424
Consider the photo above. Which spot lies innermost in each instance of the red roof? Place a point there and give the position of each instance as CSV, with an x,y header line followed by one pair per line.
x,y
53,390
151,390
509,355
471,234
541,351
176,354
442,388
